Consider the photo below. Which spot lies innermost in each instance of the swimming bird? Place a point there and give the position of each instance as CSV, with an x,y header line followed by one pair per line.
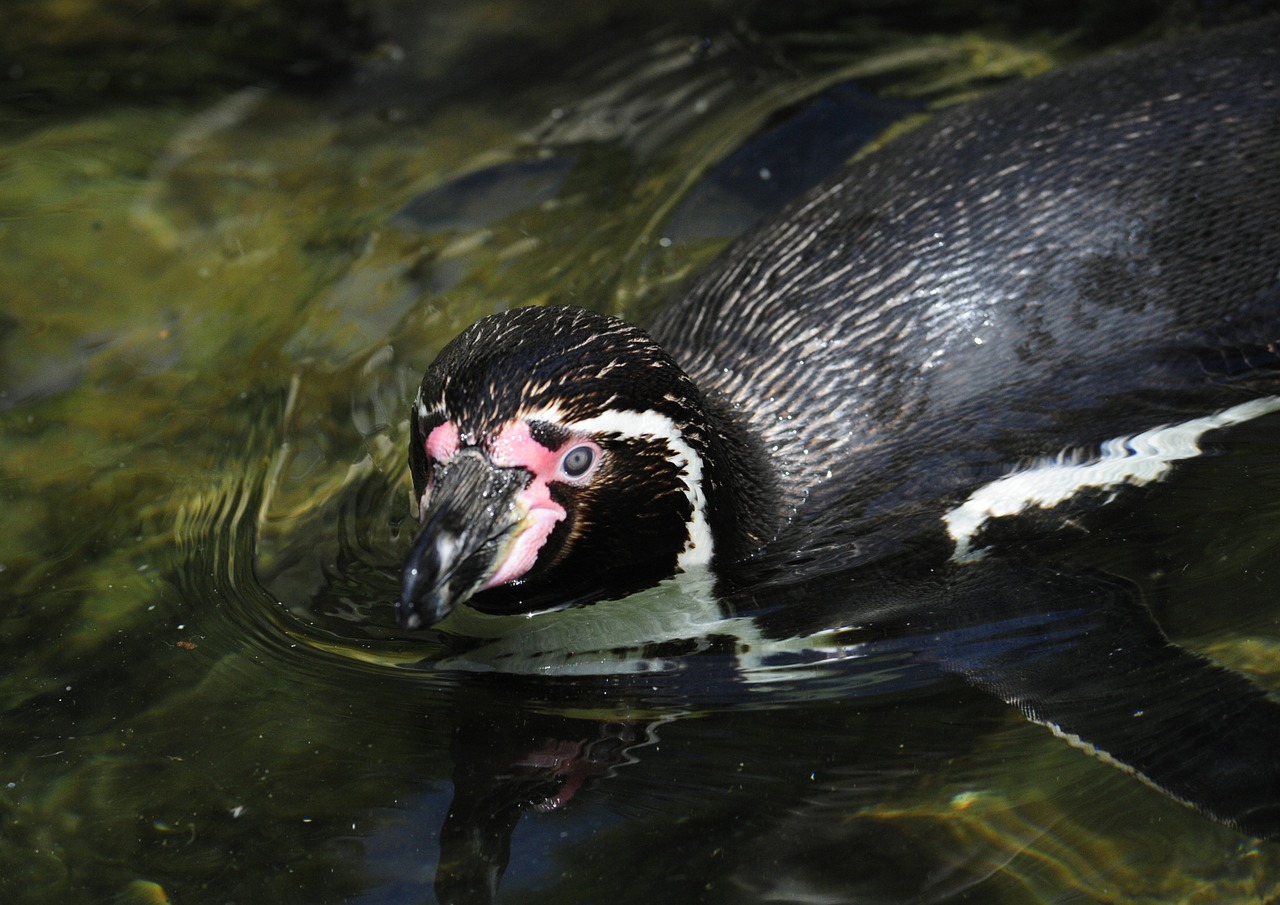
x,y
1026,305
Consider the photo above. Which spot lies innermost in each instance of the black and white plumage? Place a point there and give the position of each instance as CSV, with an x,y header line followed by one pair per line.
x,y
656,499
1082,271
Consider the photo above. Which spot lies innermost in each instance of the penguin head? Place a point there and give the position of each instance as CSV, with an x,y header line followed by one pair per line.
x,y
558,455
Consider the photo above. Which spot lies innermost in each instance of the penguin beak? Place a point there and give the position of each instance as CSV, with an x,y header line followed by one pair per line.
x,y
470,519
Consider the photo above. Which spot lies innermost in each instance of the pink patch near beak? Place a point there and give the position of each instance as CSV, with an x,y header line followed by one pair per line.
x,y
514,447
442,442
534,529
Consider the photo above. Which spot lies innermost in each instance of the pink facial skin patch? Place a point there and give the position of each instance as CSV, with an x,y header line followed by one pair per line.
x,y
514,447
530,535
442,443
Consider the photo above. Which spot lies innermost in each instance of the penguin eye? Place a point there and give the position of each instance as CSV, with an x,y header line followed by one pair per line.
x,y
577,461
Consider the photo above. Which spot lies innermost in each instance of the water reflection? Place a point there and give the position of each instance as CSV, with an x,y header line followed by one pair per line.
x,y
735,749
837,760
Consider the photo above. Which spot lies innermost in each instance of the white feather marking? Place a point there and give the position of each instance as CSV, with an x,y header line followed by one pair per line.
x,y
1137,460
656,426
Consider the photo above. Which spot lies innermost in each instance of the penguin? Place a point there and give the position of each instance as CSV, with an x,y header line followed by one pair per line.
x,y
1002,317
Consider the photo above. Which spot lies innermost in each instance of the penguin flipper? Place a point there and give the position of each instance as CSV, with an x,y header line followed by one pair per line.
x,y
1108,681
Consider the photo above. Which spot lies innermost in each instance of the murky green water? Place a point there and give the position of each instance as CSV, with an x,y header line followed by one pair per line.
x,y
211,321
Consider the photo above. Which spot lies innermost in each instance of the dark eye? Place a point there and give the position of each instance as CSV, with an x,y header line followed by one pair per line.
x,y
578,461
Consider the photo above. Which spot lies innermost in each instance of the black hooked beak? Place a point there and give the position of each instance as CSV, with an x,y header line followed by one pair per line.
x,y
470,515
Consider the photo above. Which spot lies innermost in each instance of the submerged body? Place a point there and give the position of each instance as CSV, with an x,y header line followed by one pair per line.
x,y
1087,256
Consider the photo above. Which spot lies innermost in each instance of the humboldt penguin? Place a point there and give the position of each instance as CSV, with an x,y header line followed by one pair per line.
x,y
1022,307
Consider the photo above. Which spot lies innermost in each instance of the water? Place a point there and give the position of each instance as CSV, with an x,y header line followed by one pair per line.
x,y
211,322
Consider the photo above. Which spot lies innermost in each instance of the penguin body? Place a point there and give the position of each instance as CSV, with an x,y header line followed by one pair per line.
x,y
1082,256
1033,300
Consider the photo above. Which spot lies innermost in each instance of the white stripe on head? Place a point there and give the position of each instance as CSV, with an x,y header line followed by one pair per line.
x,y
1137,460
651,425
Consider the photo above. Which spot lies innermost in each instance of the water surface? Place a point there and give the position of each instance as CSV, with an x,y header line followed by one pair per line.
x,y
212,319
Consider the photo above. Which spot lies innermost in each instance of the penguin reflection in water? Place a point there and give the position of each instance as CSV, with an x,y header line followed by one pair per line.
x,y
1082,270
